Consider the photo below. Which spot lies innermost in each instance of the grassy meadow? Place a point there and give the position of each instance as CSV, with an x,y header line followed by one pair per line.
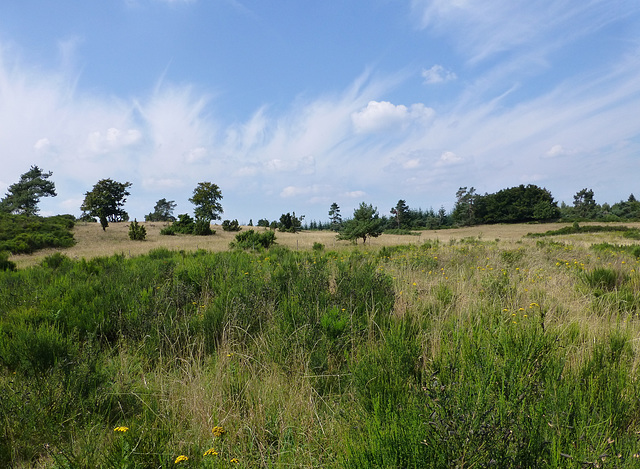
x,y
470,348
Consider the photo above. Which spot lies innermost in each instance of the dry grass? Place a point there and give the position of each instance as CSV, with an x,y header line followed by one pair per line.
x,y
92,241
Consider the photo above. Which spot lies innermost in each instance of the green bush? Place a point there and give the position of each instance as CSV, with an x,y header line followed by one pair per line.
x,y
202,228
21,234
228,225
5,263
251,240
137,232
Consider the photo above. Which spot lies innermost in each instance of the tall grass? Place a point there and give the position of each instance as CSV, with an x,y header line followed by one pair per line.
x,y
470,354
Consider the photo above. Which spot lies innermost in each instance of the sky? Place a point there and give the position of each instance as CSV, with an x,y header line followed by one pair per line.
x,y
291,105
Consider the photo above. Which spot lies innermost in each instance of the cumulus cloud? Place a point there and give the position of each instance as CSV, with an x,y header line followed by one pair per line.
x,y
355,194
437,74
448,158
556,151
380,116
413,163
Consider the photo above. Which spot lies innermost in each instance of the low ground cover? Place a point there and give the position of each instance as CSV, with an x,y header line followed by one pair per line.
x,y
464,353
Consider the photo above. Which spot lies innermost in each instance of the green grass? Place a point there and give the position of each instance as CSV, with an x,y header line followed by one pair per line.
x,y
470,354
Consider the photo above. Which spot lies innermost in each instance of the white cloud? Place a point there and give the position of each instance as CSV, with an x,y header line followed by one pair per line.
x,y
168,183
483,29
437,74
558,150
448,158
355,194
42,144
411,164
380,116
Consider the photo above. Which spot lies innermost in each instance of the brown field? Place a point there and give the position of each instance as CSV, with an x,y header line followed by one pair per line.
x,y
93,242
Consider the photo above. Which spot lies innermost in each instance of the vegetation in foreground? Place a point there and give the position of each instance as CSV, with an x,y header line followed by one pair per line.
x,y
471,354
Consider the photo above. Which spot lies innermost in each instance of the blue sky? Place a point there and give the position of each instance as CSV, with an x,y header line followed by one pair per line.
x,y
292,105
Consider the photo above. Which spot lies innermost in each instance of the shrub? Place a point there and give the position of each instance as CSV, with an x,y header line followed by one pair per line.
x,y
251,240
5,263
202,228
56,261
318,247
228,225
137,232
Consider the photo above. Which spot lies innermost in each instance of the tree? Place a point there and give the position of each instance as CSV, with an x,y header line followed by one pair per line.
x,y
366,222
23,196
290,223
105,202
163,211
206,198
464,210
584,204
335,217
401,213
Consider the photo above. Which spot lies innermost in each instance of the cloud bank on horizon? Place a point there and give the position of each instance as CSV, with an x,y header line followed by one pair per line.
x,y
293,107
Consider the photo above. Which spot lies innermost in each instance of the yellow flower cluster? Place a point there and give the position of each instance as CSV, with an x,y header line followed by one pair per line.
x,y
121,429
217,431
210,452
181,458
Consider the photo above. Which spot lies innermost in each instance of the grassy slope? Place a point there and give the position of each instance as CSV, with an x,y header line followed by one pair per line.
x,y
92,241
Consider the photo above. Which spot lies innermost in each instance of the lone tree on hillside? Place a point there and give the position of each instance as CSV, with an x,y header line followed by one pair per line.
x,y
23,196
206,198
366,222
163,211
105,202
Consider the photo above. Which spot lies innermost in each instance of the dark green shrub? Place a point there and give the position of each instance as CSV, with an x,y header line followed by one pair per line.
x,y
57,261
5,263
252,239
168,231
137,232
228,225
318,247
202,228
184,224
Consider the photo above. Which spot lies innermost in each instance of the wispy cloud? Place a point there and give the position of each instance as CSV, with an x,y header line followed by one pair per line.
x,y
482,29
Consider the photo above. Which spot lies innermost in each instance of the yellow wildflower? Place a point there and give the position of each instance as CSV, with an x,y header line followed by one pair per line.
x,y
121,429
217,431
234,461
181,458
210,452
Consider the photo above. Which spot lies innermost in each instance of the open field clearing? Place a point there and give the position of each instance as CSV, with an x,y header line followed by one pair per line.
x,y
92,241
460,348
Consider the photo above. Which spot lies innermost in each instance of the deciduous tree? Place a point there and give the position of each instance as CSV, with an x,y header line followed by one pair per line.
x,y
105,202
206,197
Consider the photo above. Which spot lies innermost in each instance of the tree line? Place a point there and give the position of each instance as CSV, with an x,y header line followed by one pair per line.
x,y
520,204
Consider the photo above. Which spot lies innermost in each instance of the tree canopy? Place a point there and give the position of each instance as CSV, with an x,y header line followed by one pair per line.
x,y
206,197
23,197
105,202
163,211
366,223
